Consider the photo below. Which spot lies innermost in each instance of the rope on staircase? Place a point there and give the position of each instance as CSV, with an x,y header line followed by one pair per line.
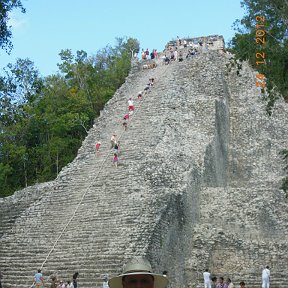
x,y
93,180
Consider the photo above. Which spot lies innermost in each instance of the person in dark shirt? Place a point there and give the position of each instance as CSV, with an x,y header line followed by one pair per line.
x,y
75,276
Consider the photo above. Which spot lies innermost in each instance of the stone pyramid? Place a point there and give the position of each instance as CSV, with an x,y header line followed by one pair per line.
x,y
197,186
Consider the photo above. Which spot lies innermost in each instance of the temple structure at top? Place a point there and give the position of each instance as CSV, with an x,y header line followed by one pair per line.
x,y
212,42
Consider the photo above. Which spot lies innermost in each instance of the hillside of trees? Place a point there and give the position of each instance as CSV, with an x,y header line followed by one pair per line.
x,y
43,121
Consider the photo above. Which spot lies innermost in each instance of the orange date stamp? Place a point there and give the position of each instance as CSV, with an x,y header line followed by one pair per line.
x,y
260,56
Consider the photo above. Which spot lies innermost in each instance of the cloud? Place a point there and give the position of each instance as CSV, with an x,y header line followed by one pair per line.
x,y
16,22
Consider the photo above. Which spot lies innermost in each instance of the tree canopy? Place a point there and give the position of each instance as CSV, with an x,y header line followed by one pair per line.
x,y
43,121
6,6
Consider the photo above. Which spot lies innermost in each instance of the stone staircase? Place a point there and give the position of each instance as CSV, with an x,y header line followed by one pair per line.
x,y
189,151
107,218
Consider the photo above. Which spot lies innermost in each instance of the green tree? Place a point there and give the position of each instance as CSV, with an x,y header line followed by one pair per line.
x,y
44,121
24,80
5,172
275,46
6,6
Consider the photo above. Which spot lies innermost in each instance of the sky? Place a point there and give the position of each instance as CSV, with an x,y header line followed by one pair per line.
x,y
48,26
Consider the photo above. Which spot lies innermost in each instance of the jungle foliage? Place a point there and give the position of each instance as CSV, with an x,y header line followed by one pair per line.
x,y
43,121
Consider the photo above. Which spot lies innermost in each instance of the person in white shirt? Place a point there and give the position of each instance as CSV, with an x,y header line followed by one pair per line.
x,y
207,279
130,105
113,140
176,55
229,283
105,281
266,277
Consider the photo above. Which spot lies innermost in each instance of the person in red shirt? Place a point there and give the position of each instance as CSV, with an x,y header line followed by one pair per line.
x,y
115,159
97,147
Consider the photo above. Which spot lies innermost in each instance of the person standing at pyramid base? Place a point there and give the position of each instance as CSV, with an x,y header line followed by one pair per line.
x,y
138,273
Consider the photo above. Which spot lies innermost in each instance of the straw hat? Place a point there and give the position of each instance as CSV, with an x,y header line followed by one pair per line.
x,y
138,266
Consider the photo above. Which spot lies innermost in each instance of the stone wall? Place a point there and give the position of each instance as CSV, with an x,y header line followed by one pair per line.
x,y
212,42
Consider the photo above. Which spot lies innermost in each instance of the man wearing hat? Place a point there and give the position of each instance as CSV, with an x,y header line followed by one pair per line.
x,y
137,274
